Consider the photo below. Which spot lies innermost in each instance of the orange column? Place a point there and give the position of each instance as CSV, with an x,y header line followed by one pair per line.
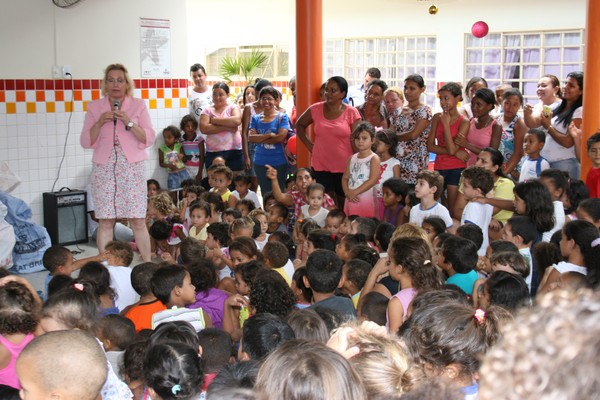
x,y
591,81
309,62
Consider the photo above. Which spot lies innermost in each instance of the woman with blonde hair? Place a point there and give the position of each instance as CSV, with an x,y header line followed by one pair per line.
x,y
118,128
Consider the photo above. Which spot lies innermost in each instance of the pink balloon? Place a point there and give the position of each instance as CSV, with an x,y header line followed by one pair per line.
x,y
291,145
480,29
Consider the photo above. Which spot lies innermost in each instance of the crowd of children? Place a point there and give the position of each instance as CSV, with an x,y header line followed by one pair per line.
x,y
398,294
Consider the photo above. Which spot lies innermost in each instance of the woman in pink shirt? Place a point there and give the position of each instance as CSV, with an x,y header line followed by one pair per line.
x,y
219,123
333,123
119,129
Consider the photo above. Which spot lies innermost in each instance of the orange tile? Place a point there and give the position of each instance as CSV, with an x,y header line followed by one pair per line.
x,y
95,94
20,95
2,98
145,94
174,93
85,103
183,103
68,106
11,108
77,96
160,93
152,103
168,103
40,95
30,108
59,95
50,107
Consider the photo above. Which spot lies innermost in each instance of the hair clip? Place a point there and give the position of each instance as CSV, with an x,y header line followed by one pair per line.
x,y
78,286
595,242
427,262
176,389
479,316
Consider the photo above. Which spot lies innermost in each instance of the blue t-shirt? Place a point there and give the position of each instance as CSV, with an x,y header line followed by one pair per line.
x,y
271,154
464,281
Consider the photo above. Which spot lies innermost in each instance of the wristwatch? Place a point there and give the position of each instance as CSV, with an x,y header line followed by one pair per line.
x,y
129,125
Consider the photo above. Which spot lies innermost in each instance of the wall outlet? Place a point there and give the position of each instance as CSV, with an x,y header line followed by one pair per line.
x,y
61,71
66,71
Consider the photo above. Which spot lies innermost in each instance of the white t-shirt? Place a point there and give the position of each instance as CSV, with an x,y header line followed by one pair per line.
x,y
120,282
198,102
387,172
319,217
357,94
250,196
553,151
531,169
564,266
417,214
480,215
559,220
526,253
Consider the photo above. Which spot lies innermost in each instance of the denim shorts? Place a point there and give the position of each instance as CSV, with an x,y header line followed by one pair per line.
x,y
234,159
451,176
174,179
570,165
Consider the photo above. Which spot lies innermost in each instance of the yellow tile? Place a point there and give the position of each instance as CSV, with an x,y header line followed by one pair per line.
x,y
68,106
160,93
183,103
11,108
50,108
85,103
30,108
168,103
152,103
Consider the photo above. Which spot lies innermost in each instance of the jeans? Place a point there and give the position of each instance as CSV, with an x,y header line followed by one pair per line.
x,y
570,165
265,183
174,179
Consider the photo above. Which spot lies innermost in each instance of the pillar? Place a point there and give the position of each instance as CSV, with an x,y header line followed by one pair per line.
x,y
309,62
591,81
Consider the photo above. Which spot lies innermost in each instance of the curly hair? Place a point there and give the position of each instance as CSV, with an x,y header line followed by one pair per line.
x,y
18,309
162,203
269,285
558,359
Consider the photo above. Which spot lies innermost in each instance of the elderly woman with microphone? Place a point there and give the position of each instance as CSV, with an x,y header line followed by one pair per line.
x,y
118,129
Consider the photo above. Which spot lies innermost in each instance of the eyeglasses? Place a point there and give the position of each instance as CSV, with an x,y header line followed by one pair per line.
x,y
115,82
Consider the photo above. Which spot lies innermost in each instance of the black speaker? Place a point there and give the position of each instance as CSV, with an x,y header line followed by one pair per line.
x,y
65,216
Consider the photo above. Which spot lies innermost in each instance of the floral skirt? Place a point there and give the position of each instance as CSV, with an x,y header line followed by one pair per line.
x,y
119,188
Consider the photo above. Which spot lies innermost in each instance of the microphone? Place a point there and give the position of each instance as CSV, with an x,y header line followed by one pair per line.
x,y
116,105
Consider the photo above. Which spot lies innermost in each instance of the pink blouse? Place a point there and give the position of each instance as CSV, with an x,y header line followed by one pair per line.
x,y
332,146
224,140
479,137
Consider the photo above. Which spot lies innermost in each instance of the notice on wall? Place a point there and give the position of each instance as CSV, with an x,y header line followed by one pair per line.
x,y
155,47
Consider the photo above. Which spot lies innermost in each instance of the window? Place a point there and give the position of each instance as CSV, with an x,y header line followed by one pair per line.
x,y
277,67
396,57
520,59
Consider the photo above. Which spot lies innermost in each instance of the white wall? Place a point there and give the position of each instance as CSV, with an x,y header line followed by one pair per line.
x,y
34,35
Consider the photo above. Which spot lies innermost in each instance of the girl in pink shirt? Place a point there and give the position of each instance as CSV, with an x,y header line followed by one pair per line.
x,y
483,131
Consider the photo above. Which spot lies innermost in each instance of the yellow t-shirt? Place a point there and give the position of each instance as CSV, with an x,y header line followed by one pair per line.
x,y
284,274
199,234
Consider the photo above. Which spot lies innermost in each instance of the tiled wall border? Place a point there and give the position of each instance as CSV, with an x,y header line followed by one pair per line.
x,y
31,96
